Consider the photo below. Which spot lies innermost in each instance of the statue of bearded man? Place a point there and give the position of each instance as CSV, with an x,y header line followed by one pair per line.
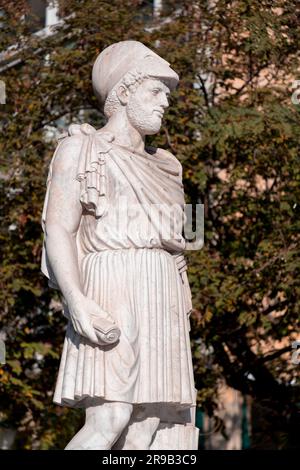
x,y
126,358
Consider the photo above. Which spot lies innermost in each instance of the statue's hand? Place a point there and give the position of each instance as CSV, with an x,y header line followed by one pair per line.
x,y
82,310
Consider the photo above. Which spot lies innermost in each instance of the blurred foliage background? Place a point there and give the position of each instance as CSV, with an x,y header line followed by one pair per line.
x,y
235,128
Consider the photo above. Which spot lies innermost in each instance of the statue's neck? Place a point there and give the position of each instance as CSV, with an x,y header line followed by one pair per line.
x,y
125,134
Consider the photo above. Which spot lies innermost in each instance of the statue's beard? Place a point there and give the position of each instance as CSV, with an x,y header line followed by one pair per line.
x,y
144,121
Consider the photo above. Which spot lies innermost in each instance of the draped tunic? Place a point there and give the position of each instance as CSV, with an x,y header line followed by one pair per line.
x,y
130,259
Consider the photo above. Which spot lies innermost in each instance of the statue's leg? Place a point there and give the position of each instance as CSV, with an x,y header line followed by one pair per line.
x,y
176,429
103,425
140,431
159,427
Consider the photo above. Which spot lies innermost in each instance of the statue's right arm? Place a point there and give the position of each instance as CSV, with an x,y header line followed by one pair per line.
x,y
63,216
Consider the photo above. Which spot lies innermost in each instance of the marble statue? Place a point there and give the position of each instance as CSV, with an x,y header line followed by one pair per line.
x,y
126,358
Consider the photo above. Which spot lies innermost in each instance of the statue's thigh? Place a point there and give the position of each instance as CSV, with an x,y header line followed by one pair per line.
x,y
108,414
139,433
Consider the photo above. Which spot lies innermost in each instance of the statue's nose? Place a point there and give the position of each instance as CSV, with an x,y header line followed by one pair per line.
x,y
165,102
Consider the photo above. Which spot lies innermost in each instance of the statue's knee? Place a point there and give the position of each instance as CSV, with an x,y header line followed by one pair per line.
x,y
109,417
122,415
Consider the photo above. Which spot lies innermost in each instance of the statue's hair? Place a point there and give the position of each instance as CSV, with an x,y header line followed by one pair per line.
x,y
131,80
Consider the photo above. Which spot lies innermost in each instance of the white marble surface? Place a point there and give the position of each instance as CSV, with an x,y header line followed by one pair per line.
x,y
113,246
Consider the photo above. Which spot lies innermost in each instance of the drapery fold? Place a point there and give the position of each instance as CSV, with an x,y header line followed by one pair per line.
x,y
152,361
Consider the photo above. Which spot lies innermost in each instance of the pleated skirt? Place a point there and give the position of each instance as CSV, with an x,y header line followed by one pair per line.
x,y
151,363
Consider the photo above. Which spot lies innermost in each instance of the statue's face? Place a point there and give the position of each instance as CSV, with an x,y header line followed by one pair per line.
x,y
146,106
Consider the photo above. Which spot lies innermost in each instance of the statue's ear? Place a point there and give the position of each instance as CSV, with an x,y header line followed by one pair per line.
x,y
123,94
